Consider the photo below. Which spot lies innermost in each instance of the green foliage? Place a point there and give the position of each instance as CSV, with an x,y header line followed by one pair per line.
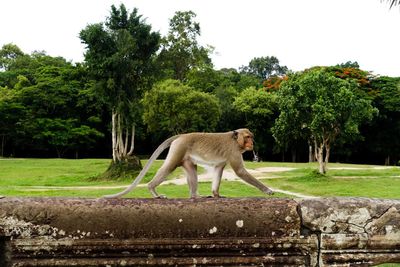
x,y
180,50
8,54
320,105
119,53
259,108
317,106
45,107
63,134
265,67
205,79
230,118
382,135
173,108
256,103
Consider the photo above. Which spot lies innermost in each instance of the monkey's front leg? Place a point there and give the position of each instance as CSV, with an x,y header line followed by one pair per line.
x,y
247,177
217,180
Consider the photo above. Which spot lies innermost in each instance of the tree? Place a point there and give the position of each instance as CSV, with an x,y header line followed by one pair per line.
x,y
258,108
265,67
56,112
10,112
64,134
320,107
119,55
382,135
173,108
8,54
225,84
290,133
230,119
205,79
44,104
180,51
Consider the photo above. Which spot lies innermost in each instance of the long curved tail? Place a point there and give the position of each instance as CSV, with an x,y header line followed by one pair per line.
x,y
143,172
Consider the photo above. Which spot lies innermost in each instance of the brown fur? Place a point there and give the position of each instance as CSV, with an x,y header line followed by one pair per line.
x,y
189,150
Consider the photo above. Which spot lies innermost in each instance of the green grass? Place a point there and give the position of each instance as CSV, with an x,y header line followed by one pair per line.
x,y
35,177
62,172
50,172
378,184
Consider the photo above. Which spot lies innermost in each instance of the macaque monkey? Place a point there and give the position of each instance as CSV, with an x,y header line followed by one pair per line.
x,y
192,149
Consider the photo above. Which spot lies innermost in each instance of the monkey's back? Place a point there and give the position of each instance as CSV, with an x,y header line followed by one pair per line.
x,y
213,146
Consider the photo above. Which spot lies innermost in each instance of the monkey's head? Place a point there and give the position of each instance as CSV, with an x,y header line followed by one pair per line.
x,y
244,138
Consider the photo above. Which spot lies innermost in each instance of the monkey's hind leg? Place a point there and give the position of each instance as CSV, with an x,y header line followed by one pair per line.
x,y
160,176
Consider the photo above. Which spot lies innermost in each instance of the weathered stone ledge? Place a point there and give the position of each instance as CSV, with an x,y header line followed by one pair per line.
x,y
204,232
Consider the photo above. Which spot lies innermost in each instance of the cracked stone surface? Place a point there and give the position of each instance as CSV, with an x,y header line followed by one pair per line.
x,y
147,218
352,216
201,232
360,231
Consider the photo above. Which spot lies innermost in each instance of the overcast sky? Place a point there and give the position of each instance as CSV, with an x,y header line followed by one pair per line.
x,y
300,33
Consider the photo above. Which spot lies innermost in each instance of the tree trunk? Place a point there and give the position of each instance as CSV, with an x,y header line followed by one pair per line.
x,y
315,151
320,158
310,153
387,161
120,138
132,141
113,135
293,150
58,152
124,163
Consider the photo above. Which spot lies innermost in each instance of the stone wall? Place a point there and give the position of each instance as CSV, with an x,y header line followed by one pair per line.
x,y
205,232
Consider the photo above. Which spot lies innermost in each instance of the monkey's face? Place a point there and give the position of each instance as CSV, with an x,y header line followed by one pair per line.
x,y
245,139
248,142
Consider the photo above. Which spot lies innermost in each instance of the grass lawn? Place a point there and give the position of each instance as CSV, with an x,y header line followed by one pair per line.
x,y
382,183
58,177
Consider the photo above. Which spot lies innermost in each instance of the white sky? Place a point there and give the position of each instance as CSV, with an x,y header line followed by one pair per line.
x,y
300,33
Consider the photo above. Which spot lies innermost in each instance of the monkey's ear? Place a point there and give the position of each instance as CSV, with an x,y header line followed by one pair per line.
x,y
240,139
235,134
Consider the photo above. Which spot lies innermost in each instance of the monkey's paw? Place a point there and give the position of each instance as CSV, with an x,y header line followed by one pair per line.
x,y
269,192
216,196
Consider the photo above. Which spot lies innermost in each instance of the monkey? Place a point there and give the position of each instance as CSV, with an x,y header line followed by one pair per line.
x,y
192,149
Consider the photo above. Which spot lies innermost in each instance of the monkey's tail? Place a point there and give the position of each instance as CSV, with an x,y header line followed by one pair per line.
x,y
143,172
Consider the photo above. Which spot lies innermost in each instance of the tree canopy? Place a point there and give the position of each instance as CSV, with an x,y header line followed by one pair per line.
x,y
319,107
180,50
174,108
